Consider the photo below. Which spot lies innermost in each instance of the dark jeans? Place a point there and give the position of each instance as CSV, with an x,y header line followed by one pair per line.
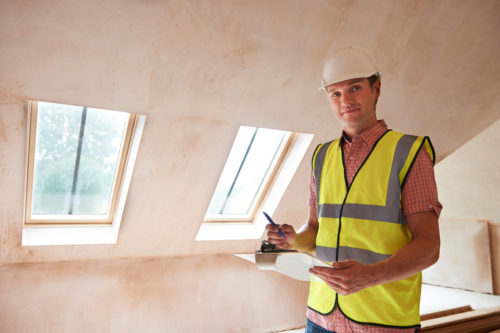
x,y
313,328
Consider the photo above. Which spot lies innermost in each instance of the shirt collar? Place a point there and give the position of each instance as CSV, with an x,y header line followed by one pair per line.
x,y
370,135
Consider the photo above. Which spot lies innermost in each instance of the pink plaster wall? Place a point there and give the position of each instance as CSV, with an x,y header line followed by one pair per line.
x,y
220,293
198,70
469,179
468,184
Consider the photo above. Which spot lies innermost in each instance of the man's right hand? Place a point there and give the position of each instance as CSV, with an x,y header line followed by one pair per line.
x,y
303,241
274,237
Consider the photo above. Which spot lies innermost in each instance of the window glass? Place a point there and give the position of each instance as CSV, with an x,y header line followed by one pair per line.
x,y
247,170
76,157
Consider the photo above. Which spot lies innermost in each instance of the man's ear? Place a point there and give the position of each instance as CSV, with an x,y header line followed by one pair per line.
x,y
376,87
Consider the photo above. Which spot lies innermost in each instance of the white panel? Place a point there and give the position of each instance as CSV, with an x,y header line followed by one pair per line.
x,y
464,260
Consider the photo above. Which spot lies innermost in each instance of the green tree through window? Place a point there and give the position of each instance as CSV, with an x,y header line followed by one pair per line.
x,y
56,154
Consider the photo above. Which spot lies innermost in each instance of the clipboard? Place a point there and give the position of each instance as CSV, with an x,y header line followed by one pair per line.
x,y
293,264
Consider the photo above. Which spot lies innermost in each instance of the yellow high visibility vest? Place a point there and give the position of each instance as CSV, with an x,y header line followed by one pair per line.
x,y
364,222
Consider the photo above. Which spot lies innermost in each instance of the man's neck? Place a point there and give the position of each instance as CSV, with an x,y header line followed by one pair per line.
x,y
352,132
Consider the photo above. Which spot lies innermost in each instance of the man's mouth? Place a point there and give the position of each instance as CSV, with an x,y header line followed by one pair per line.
x,y
351,110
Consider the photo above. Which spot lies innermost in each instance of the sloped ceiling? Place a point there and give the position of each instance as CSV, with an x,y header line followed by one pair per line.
x,y
200,69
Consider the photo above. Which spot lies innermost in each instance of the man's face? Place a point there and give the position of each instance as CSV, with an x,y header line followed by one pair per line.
x,y
354,103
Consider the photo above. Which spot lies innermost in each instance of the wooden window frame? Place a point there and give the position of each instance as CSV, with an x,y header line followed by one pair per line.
x,y
268,181
217,231
62,220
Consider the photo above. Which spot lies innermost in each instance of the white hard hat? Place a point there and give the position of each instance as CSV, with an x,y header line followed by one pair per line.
x,y
345,64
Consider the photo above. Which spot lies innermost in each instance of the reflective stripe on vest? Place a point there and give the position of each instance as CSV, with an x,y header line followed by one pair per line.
x,y
364,222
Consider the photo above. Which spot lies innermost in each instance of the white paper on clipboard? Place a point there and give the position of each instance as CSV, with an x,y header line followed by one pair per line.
x,y
293,264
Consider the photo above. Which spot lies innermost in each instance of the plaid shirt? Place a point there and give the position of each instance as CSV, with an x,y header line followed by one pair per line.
x,y
419,195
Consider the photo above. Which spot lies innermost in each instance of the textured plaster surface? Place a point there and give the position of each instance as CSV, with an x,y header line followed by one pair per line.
x,y
469,179
199,70
219,293
468,184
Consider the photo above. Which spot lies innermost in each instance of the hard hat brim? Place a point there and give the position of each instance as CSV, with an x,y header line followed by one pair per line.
x,y
349,77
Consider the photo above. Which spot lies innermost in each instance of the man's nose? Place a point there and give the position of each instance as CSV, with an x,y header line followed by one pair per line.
x,y
346,99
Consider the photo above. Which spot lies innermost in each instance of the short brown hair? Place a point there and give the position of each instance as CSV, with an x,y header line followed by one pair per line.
x,y
372,79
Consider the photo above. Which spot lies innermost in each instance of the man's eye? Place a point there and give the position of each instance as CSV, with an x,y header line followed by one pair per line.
x,y
334,94
356,88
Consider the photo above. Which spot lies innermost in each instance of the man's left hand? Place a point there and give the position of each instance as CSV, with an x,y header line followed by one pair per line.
x,y
346,277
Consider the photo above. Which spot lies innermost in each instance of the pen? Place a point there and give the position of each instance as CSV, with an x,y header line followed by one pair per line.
x,y
272,222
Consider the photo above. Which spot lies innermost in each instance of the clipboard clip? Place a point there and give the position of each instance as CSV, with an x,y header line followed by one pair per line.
x,y
266,247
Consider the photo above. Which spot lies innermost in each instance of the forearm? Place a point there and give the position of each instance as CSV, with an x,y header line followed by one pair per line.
x,y
350,276
305,240
421,252
411,259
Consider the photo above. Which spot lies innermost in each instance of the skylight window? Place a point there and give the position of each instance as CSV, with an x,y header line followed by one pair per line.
x,y
76,161
247,174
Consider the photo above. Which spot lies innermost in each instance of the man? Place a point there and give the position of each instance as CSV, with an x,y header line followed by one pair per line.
x,y
373,212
